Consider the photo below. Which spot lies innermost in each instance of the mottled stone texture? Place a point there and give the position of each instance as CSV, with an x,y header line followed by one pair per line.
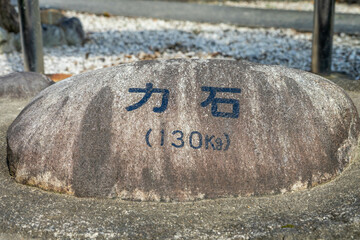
x,y
81,136
23,84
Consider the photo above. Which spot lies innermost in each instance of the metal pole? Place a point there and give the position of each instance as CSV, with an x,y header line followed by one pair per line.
x,y
31,35
322,36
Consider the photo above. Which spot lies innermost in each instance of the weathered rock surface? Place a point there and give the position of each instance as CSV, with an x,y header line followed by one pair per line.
x,y
6,41
8,17
3,35
52,35
65,31
57,30
73,30
162,130
23,84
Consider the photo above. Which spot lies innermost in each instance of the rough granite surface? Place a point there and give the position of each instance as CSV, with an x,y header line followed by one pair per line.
x,y
327,211
273,130
23,84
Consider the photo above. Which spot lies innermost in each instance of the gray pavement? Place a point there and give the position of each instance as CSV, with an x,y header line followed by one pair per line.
x,y
249,17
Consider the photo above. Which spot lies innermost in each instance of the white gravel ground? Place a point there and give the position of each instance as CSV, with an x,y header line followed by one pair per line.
x,y
115,40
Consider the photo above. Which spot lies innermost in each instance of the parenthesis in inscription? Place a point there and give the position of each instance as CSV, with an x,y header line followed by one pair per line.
x,y
228,142
147,137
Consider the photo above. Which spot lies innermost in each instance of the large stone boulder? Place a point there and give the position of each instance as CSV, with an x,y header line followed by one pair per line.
x,y
184,130
23,84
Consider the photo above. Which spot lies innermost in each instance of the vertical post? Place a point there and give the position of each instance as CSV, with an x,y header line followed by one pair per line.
x,y
31,35
322,36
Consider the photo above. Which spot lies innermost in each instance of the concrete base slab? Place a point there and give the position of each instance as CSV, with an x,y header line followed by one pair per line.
x,y
328,211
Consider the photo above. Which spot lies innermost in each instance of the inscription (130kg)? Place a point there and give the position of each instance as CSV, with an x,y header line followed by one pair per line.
x,y
195,140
